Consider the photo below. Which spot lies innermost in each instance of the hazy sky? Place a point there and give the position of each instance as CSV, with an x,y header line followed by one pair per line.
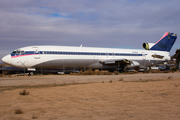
x,y
93,23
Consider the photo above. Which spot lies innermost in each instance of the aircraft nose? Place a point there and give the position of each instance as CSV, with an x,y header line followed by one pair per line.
x,y
7,59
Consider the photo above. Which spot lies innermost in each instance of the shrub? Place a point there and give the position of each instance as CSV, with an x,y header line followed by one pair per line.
x,y
116,72
18,111
174,69
24,92
88,72
96,72
105,72
73,73
155,71
34,117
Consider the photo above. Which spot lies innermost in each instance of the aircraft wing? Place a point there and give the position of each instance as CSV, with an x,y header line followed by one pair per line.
x,y
122,63
114,61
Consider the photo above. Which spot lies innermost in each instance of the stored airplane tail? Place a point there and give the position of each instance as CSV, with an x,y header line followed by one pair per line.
x,y
164,44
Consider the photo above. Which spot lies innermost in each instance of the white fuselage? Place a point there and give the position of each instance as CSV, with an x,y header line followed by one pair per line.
x,y
62,57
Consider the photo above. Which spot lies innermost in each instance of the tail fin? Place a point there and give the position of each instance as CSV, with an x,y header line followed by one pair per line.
x,y
165,43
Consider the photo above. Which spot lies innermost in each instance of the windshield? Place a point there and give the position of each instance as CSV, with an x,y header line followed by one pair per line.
x,y
18,52
14,52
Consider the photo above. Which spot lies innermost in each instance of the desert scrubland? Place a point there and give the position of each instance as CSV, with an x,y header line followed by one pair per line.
x,y
98,97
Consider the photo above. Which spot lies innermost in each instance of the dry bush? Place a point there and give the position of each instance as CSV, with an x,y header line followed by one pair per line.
x,y
174,69
34,117
79,73
73,73
136,71
105,72
110,81
88,72
18,111
146,71
130,72
155,71
96,72
116,73
24,92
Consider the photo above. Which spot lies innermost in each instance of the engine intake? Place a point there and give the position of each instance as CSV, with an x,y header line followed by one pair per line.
x,y
148,46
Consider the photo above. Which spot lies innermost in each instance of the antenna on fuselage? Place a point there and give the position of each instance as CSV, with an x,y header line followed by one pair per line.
x,y
81,45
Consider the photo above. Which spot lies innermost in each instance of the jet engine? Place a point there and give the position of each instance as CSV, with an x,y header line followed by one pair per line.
x,y
147,46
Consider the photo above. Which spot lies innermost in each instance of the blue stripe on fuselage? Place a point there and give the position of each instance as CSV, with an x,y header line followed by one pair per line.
x,y
73,53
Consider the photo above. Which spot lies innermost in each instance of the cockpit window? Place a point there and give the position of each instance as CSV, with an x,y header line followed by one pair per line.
x,y
18,52
14,52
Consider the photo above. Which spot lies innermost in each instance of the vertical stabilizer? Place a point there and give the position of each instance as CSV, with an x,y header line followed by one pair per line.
x,y
165,43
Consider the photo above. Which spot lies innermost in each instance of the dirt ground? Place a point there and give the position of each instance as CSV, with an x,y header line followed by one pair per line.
x,y
95,97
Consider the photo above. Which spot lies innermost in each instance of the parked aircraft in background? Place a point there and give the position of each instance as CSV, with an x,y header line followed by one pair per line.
x,y
44,57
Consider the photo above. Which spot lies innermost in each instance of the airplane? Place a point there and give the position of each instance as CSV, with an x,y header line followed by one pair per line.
x,y
44,57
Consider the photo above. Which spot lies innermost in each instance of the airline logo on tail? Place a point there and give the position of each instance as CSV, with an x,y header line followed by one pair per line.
x,y
165,43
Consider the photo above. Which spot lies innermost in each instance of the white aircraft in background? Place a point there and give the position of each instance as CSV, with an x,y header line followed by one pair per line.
x,y
76,58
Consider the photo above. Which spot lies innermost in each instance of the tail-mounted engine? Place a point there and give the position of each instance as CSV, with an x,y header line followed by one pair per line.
x,y
147,46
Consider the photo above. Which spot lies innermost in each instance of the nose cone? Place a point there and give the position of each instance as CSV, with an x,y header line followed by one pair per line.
x,y
7,59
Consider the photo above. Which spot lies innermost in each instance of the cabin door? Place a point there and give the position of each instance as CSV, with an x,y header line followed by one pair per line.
x,y
107,54
36,53
143,56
